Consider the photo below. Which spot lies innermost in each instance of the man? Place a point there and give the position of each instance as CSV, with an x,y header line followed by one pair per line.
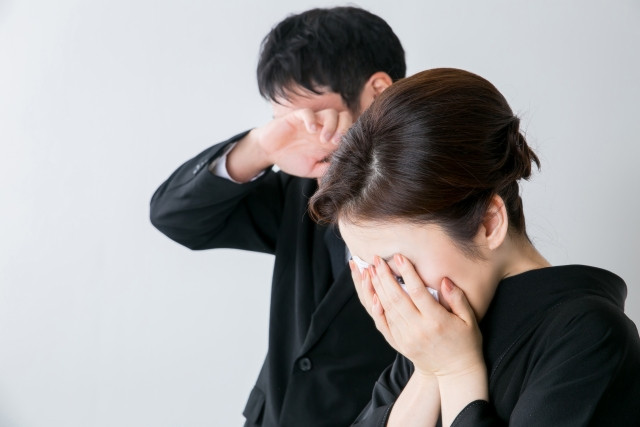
x,y
319,69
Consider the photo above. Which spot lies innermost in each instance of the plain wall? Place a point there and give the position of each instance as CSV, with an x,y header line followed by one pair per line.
x,y
106,322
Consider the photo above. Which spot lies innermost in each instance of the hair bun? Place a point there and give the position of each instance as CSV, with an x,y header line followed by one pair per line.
x,y
518,153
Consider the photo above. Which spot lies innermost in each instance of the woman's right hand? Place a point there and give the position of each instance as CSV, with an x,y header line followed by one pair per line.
x,y
366,294
418,405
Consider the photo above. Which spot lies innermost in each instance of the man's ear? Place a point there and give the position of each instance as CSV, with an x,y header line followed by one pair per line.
x,y
495,225
376,84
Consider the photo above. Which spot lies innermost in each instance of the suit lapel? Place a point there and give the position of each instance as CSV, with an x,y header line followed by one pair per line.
x,y
328,251
339,293
337,250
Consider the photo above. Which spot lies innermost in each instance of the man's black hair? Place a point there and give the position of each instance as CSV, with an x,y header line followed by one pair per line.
x,y
336,49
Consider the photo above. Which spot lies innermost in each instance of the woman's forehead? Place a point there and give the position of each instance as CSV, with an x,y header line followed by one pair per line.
x,y
366,240
380,230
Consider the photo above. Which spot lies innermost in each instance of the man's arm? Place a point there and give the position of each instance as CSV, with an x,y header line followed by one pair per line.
x,y
246,159
200,210
299,143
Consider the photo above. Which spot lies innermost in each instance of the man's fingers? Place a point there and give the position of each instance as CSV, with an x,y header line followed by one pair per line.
x,y
330,123
329,120
344,123
309,119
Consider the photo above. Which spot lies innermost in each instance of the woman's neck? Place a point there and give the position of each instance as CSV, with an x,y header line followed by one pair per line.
x,y
521,256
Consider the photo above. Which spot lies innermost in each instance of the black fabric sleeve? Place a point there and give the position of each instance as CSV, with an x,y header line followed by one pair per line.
x,y
201,211
585,371
385,392
478,413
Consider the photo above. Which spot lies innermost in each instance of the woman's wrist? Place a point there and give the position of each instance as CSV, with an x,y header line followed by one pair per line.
x,y
419,403
460,389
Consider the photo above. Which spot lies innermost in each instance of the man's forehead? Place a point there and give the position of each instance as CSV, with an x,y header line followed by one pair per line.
x,y
308,99
295,90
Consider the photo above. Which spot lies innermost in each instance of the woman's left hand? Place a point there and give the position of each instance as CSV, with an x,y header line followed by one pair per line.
x,y
438,342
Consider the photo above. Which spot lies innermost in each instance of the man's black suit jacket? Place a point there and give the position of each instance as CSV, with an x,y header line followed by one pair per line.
x,y
324,352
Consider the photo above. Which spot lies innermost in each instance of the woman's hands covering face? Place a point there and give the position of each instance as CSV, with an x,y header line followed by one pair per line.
x,y
437,341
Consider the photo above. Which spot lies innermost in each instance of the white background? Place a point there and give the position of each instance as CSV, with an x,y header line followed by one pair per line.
x,y
106,322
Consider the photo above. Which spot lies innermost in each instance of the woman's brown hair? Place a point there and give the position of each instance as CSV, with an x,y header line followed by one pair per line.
x,y
434,147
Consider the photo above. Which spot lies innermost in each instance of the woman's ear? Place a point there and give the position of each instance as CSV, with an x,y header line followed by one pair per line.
x,y
495,225
376,84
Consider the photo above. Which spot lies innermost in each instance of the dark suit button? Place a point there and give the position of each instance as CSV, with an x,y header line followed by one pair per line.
x,y
304,364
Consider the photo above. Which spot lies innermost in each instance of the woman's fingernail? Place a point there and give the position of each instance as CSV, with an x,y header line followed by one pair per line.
x,y
447,285
376,261
399,259
372,271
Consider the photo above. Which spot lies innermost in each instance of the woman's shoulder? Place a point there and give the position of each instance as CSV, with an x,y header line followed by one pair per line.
x,y
561,285
595,323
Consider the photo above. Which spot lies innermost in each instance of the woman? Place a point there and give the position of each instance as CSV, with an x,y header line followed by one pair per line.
x,y
424,187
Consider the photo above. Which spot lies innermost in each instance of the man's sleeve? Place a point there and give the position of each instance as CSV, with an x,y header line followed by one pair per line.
x,y
200,210
218,166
